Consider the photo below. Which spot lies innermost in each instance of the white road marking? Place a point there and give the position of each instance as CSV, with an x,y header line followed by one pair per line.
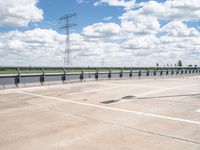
x,y
8,91
114,109
46,87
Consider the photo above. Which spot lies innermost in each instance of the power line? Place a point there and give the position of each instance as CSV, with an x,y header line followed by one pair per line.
x,y
67,24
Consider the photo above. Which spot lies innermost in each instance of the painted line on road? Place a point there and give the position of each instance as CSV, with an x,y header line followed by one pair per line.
x,y
115,109
46,87
8,91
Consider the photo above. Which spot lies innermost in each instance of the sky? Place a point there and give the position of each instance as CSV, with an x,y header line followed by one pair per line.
x,y
122,32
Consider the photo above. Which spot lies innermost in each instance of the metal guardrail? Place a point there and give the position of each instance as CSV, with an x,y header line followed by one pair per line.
x,y
67,74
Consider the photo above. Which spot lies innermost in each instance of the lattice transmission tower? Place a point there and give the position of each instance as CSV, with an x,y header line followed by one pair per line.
x,y
67,24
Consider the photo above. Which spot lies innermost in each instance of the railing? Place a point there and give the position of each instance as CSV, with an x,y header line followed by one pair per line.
x,y
27,75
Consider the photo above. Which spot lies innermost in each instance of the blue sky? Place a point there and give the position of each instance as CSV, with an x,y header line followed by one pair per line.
x,y
123,32
86,11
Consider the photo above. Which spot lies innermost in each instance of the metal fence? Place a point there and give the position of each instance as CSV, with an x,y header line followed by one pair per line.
x,y
84,73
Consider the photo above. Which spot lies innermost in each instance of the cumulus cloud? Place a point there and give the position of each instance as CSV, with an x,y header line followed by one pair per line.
x,y
127,5
178,42
101,30
19,12
134,22
183,10
178,28
172,9
141,42
46,47
35,47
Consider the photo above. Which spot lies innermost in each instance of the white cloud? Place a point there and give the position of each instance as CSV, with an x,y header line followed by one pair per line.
x,y
108,18
178,28
80,1
101,30
139,39
172,9
134,22
122,3
19,12
141,42
46,47
38,46
183,10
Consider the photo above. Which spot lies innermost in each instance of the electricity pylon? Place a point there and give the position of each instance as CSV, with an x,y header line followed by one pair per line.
x,y
67,24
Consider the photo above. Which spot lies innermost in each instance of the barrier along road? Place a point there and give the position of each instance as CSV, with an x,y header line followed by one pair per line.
x,y
15,76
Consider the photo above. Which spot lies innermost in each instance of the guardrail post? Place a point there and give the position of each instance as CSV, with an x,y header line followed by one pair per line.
x,y
121,73
81,75
63,75
96,74
177,71
131,73
189,71
181,71
110,73
172,72
161,72
42,77
185,71
139,73
167,72
154,73
192,70
89,73
18,77
147,72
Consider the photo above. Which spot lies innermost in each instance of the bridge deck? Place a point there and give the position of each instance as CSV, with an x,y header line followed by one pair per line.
x,y
138,114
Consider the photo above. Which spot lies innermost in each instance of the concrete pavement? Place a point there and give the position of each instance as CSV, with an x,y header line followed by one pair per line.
x,y
142,114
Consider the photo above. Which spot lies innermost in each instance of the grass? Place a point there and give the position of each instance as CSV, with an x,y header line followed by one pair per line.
x,y
8,71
